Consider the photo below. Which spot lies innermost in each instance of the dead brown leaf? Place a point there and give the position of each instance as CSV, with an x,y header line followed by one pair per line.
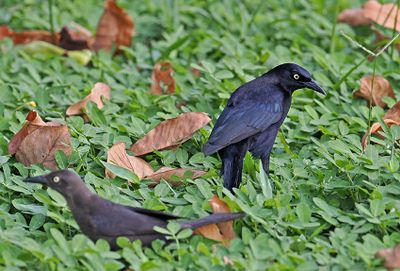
x,y
99,90
220,206
75,37
373,89
28,36
392,117
386,15
115,27
354,17
163,82
171,133
210,231
221,232
168,175
117,155
391,257
38,141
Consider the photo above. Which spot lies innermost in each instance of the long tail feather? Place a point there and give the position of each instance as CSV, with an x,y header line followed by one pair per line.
x,y
211,219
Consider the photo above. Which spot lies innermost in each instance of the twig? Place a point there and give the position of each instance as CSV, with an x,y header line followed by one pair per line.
x,y
366,49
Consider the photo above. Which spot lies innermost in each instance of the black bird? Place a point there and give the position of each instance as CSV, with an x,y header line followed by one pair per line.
x,y
252,117
103,219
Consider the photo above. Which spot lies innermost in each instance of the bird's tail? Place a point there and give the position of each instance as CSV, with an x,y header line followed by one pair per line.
x,y
211,219
232,164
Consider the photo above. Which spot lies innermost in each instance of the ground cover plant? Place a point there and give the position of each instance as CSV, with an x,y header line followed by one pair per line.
x,y
335,164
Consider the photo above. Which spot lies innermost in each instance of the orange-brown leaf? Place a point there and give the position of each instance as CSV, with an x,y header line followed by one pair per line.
x,y
117,155
115,27
373,89
37,142
353,17
28,36
162,80
383,14
392,117
99,90
210,231
391,257
221,232
168,174
75,37
220,206
171,133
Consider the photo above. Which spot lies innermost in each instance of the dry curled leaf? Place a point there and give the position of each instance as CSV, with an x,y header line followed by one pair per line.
x,y
372,11
75,37
391,257
170,175
221,232
373,89
99,90
115,27
171,133
162,80
24,37
392,117
354,17
38,141
118,156
386,15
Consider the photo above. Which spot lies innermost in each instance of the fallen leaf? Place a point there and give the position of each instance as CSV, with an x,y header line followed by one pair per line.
x,y
28,36
99,90
115,27
75,37
354,17
210,231
221,232
392,117
386,15
162,80
220,206
391,257
168,174
373,89
118,156
195,72
171,133
38,141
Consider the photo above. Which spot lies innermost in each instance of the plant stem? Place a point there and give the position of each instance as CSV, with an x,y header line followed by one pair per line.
x,y
51,22
332,46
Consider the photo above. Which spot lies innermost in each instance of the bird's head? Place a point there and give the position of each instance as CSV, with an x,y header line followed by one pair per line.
x,y
63,181
292,77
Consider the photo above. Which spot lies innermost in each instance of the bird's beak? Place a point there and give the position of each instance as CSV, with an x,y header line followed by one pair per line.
x,y
37,179
314,86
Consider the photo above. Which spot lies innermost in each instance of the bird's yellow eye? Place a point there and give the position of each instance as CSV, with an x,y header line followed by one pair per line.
x,y
296,76
56,179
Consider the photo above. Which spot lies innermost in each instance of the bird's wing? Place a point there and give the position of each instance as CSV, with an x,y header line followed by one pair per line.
x,y
153,213
240,122
113,220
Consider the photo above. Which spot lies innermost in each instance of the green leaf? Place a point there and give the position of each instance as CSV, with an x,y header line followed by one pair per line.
x,y
121,172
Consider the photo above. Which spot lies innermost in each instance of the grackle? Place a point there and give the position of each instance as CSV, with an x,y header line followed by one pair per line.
x,y
103,219
252,117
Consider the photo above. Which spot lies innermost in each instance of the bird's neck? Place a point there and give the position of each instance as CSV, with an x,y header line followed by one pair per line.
x,y
80,198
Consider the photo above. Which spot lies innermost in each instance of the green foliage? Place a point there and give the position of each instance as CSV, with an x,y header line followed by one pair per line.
x,y
334,205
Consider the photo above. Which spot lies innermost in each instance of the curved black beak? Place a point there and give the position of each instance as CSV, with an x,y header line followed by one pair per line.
x,y
314,86
37,179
